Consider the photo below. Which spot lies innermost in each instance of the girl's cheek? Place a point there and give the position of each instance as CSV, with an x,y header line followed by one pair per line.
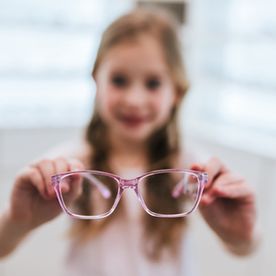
x,y
160,103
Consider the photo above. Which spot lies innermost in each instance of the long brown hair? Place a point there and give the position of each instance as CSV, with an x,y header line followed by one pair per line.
x,y
163,145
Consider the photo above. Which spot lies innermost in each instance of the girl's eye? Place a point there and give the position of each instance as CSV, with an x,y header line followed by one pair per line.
x,y
153,84
119,80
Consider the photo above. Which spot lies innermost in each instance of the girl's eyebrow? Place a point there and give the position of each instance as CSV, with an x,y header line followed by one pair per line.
x,y
159,74
156,72
118,71
118,67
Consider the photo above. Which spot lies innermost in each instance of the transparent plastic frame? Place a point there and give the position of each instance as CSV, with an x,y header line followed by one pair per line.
x,y
133,184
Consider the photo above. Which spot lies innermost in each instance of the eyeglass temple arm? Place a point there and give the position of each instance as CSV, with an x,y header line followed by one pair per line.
x,y
102,188
180,187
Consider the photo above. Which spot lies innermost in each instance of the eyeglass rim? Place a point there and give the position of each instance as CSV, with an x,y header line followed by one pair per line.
x,y
56,179
199,173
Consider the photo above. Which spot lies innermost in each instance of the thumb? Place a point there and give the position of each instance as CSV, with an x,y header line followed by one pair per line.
x,y
197,167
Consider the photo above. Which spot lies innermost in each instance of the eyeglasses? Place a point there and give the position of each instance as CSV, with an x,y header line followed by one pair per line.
x,y
166,193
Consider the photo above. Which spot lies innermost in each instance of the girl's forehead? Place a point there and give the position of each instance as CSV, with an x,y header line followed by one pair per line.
x,y
145,53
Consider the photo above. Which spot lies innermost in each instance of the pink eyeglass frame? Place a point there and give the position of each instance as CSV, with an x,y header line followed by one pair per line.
x,y
129,184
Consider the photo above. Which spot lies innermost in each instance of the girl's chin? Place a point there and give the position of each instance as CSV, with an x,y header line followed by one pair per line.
x,y
134,134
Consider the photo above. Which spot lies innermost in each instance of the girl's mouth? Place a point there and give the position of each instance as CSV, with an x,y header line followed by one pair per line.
x,y
132,120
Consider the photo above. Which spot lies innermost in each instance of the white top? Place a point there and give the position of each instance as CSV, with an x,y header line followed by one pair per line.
x,y
117,249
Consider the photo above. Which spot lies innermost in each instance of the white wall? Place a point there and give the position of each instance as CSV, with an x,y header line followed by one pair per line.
x,y
260,171
43,251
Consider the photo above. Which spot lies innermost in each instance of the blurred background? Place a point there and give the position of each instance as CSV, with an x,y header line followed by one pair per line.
x,y
47,49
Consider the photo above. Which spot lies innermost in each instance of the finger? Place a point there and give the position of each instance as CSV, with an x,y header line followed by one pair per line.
x,y
33,176
74,183
71,187
69,182
197,167
235,190
231,192
47,169
224,179
218,186
214,167
60,165
228,186
207,199
75,164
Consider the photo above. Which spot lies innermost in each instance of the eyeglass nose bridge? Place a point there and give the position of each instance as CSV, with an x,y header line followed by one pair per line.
x,y
129,183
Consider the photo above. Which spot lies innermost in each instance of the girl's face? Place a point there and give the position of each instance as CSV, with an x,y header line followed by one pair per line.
x,y
135,93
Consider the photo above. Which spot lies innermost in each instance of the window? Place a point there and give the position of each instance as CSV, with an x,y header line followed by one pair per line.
x,y
232,64
47,51
46,55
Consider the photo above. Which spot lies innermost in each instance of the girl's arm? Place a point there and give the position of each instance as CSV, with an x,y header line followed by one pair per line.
x,y
228,205
33,201
11,234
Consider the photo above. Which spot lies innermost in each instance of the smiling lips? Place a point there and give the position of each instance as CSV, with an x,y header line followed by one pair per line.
x,y
132,120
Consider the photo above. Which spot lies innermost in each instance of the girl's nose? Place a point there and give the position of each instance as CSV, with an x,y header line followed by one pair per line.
x,y
135,96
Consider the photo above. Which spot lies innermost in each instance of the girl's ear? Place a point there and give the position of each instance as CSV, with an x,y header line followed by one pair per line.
x,y
95,76
178,97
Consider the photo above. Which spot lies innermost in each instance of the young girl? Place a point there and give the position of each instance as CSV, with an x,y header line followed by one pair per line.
x,y
140,83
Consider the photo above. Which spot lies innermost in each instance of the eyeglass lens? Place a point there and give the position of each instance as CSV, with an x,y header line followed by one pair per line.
x,y
92,194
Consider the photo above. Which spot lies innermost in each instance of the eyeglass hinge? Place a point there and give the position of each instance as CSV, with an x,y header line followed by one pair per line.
x,y
55,179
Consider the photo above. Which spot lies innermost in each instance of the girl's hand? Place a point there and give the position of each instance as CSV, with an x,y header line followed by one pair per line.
x,y
228,206
33,200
